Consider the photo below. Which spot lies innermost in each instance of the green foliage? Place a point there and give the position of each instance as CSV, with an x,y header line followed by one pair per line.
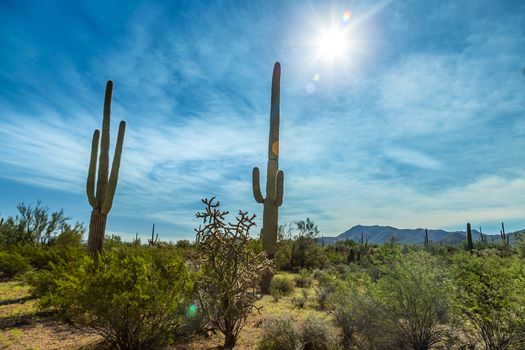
x,y
317,335
490,298
37,227
303,279
301,301
129,300
328,285
358,317
405,309
12,263
283,254
282,283
282,333
306,253
414,295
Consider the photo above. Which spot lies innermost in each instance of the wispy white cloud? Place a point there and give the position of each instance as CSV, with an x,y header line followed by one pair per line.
x,y
422,138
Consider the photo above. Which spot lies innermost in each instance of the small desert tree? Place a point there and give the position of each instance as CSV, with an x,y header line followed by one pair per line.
x,y
231,270
490,298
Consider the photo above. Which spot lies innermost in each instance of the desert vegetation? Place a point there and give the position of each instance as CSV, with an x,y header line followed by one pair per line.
x,y
281,289
206,294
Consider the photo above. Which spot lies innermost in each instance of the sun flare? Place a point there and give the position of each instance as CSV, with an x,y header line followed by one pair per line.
x,y
332,44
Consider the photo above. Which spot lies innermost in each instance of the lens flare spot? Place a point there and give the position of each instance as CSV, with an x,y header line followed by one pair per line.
x,y
346,15
191,311
275,148
310,88
316,77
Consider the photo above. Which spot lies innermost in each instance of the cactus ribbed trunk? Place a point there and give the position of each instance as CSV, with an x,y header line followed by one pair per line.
x,y
274,179
97,229
101,197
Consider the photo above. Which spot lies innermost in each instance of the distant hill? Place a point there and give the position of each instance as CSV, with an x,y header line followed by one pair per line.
x,y
381,234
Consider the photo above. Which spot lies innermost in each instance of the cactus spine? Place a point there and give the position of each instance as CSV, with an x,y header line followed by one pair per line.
x,y
101,200
274,176
470,246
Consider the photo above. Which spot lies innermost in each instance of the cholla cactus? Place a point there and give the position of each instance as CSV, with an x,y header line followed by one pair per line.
x,y
102,200
274,176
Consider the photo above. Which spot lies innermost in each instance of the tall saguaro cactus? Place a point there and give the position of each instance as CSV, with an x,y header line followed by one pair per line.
x,y
101,200
274,176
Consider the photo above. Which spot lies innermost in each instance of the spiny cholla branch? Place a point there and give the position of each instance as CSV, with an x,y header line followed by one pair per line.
x,y
231,268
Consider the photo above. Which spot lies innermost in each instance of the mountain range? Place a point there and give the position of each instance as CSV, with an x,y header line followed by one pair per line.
x,y
381,234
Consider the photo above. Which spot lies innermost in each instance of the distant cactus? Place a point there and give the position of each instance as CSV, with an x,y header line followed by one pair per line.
x,y
154,238
482,238
102,200
470,246
426,238
136,240
503,235
274,176
351,256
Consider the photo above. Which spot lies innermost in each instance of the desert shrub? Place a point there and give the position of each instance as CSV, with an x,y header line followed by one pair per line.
x,y
34,225
359,317
317,335
275,293
12,263
131,302
231,271
281,333
303,279
284,284
301,301
328,285
283,255
414,295
490,299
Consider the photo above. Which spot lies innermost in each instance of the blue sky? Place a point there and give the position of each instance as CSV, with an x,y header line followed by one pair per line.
x,y
418,122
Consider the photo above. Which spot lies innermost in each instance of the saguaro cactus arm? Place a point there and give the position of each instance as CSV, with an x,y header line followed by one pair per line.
x,y
257,186
90,186
115,167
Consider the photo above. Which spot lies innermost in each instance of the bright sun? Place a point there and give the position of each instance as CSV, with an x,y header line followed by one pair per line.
x,y
332,44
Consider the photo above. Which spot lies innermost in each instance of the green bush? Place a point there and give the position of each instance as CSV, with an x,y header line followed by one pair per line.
x,y
129,300
283,284
328,284
490,299
12,263
359,319
317,335
281,333
303,279
283,255
301,301
414,295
